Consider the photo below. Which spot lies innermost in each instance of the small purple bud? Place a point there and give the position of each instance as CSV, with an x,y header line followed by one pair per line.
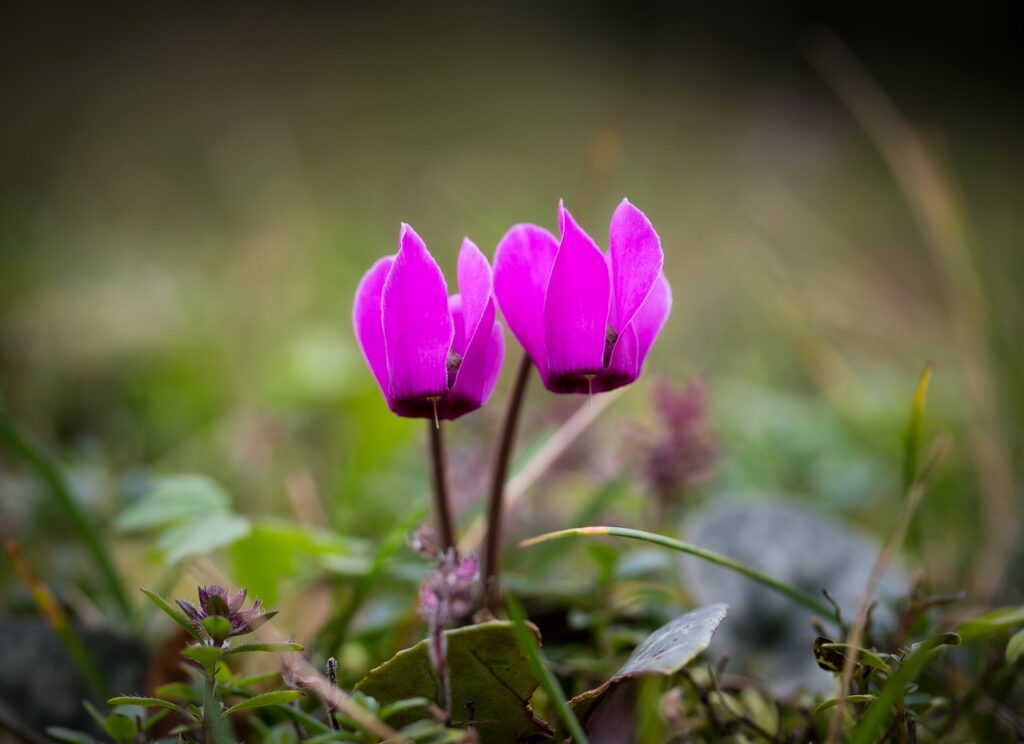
x,y
215,600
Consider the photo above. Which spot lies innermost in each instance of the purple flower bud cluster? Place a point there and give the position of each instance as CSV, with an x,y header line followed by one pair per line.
x,y
446,595
683,453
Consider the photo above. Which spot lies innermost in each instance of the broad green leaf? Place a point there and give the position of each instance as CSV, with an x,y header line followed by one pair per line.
x,y
172,499
173,613
991,622
121,728
275,551
277,697
201,536
206,656
278,648
145,702
1015,648
490,673
68,735
663,653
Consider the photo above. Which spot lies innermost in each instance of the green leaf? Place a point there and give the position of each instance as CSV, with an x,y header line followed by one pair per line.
x,y
173,613
205,656
68,735
201,536
253,680
864,656
177,690
277,648
275,551
218,626
833,702
431,732
400,706
995,621
488,671
1015,648
663,653
121,728
173,499
911,442
276,697
146,702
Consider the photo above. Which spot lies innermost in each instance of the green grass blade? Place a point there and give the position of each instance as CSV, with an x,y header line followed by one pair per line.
x,y
541,672
912,440
51,473
797,595
876,715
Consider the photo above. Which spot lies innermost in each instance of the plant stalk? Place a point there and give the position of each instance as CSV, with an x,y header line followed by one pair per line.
x,y
209,705
499,476
442,506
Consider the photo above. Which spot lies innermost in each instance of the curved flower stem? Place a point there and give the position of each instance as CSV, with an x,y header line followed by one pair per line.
x,y
499,476
442,507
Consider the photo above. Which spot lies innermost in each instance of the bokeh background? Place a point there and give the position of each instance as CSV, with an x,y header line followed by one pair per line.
x,y
189,195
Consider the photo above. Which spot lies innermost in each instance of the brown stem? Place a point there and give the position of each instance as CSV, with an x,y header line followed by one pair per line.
x,y
499,476
442,506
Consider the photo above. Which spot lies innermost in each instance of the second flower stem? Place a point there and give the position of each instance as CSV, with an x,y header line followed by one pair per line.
x,y
499,476
442,506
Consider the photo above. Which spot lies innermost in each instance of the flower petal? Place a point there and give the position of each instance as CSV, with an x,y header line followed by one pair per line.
x,y
576,303
479,371
634,249
650,319
474,274
368,323
624,365
418,327
522,266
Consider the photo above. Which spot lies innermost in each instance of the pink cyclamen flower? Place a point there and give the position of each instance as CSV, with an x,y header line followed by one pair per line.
x,y
431,354
586,319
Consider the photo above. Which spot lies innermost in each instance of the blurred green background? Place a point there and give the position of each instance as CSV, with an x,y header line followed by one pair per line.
x,y
190,195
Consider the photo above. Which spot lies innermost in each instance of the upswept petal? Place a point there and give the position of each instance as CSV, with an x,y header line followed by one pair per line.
x,y
650,318
577,303
368,323
418,326
634,250
474,275
522,266
479,371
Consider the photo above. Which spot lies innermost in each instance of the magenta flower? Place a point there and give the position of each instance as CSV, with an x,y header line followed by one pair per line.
x,y
587,320
431,354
